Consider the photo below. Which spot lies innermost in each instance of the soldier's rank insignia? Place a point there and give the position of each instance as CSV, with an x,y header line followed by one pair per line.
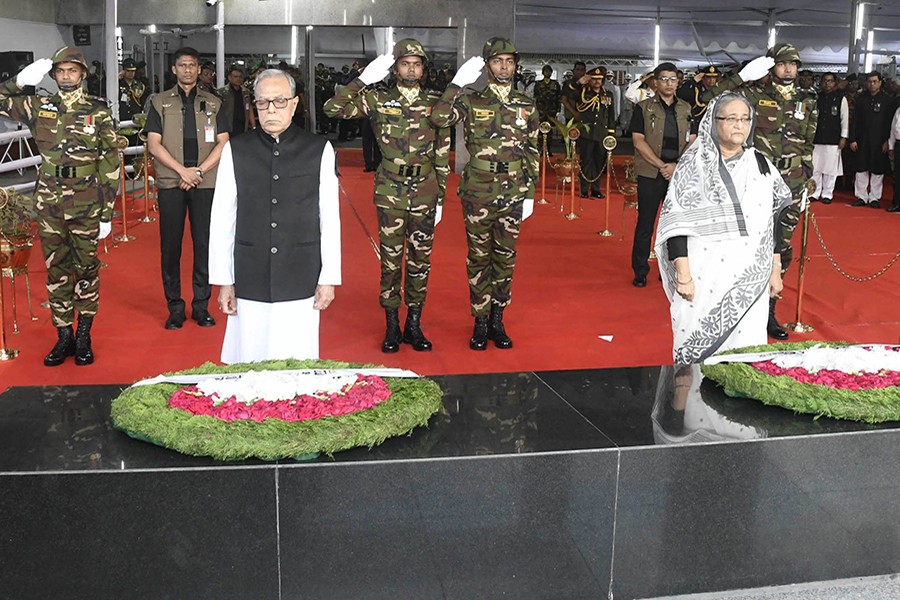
x,y
392,111
46,114
482,114
768,103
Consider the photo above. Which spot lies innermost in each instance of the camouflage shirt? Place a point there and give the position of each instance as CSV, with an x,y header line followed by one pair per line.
x,y
406,138
82,137
785,128
547,97
496,131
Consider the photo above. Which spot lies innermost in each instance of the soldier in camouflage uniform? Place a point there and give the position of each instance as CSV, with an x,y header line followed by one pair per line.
x,y
75,193
410,181
785,128
501,127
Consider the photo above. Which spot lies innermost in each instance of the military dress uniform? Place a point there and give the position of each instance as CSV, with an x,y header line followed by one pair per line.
x,y
410,183
501,129
692,93
785,127
76,190
132,96
596,119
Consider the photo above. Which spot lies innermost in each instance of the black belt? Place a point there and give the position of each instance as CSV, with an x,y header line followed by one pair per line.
x,y
782,164
68,172
406,170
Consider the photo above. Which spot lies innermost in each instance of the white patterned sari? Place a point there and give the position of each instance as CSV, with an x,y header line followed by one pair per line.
x,y
727,210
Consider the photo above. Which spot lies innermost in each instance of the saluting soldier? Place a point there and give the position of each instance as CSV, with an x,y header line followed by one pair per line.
x,y
132,92
547,95
785,127
75,192
692,91
497,186
410,181
596,119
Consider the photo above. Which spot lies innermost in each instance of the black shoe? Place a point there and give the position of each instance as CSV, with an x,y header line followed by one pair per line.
x,y
175,321
639,281
599,195
826,200
775,331
813,199
368,169
84,354
584,194
875,204
391,341
479,333
894,208
64,347
412,331
496,331
203,318
859,202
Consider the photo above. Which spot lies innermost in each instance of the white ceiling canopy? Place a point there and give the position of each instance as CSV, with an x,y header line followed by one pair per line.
x,y
694,32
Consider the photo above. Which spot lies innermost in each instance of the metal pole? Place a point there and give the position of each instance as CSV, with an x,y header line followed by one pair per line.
x,y
851,47
162,63
220,45
799,326
310,79
112,58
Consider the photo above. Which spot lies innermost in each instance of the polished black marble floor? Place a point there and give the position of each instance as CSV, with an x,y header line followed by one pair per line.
x,y
569,485
68,428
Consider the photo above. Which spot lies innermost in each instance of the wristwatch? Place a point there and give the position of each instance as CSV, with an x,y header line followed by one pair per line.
x,y
200,173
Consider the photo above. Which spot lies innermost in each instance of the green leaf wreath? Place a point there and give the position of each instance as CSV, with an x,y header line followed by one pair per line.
x,y
144,413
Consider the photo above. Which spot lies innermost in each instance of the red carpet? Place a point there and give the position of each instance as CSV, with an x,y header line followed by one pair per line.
x,y
571,286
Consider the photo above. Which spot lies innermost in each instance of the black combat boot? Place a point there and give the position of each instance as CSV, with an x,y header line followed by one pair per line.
x,y
84,355
412,331
392,335
775,331
496,331
479,334
65,346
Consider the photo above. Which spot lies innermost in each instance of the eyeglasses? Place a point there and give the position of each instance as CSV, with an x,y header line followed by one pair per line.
x,y
666,79
735,120
263,104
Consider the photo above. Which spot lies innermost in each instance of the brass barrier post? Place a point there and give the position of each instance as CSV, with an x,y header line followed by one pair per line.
x,y
146,218
545,129
573,134
799,326
609,142
122,143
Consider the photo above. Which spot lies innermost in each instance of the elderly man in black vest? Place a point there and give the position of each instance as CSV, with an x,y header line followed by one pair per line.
x,y
275,243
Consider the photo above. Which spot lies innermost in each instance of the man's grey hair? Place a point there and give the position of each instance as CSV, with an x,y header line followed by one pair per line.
x,y
269,73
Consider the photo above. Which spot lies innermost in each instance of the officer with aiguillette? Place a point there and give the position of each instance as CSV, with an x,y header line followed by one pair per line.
x,y
75,193
132,92
595,119
497,186
785,127
410,182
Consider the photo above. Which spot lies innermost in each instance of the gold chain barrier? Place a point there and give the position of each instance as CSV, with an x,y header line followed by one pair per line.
x,y
838,268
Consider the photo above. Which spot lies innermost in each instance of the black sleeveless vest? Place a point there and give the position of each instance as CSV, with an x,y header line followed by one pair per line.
x,y
828,131
277,250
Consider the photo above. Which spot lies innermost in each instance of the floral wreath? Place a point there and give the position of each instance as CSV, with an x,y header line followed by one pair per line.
x,y
831,393
146,413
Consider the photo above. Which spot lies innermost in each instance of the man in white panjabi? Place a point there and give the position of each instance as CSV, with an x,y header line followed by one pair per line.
x,y
831,137
275,241
717,239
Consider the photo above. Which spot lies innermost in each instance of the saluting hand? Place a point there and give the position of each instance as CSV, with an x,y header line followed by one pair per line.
x,y
34,73
469,72
756,68
377,70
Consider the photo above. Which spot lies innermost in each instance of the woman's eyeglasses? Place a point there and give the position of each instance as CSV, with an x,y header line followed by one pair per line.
x,y
733,120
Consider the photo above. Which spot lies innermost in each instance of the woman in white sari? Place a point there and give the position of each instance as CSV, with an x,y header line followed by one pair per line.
x,y
715,237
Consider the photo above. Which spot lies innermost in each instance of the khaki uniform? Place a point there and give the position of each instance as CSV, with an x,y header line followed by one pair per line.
x,y
410,182
502,140
76,189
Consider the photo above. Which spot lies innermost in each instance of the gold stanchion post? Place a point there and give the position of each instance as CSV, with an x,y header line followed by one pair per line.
x,y
146,218
573,134
609,142
545,129
799,326
122,143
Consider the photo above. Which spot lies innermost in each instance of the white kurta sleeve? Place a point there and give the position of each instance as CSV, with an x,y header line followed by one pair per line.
x,y
222,222
845,118
895,133
329,220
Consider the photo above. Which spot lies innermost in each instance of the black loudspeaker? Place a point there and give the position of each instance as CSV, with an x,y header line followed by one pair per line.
x,y
13,62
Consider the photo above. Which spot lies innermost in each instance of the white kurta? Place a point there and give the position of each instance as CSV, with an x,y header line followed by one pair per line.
x,y
272,330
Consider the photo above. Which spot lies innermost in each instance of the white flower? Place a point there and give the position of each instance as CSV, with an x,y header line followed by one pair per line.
x,y
272,386
849,359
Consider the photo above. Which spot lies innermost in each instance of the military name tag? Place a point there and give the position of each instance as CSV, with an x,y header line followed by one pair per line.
x,y
482,114
46,114
768,103
396,112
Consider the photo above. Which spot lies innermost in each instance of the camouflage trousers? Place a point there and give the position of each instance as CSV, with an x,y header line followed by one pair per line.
x,y
790,218
491,233
412,230
69,243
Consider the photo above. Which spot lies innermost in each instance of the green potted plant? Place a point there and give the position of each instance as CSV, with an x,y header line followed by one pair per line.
x,y
17,228
570,132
